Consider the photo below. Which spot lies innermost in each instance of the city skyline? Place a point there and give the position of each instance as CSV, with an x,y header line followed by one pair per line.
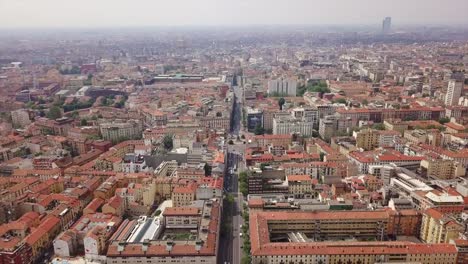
x,y
235,132
124,13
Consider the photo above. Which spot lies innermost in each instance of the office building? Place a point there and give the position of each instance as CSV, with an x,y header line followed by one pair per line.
x,y
254,119
387,25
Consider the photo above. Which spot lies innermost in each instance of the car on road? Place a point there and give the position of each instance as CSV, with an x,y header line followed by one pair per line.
x,y
240,234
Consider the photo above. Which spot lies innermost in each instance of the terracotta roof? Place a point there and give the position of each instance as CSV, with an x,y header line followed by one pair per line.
x,y
184,211
209,247
94,205
256,202
434,213
261,245
455,126
299,178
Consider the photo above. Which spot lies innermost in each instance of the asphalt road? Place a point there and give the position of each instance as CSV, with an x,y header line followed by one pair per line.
x,y
230,244
237,111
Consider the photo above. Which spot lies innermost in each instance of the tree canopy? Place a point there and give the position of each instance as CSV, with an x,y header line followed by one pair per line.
x,y
259,130
84,122
340,101
168,142
281,102
54,113
320,87
444,120
379,126
207,169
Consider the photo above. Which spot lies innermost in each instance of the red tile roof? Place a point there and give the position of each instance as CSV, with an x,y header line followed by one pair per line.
x,y
299,178
261,245
183,211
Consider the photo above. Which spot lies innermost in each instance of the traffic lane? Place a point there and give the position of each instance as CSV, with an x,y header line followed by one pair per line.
x,y
240,222
235,240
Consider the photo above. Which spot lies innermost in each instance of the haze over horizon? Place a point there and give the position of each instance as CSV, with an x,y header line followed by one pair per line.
x,y
126,13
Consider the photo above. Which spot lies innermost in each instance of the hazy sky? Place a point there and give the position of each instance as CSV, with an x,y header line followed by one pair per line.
x,y
105,13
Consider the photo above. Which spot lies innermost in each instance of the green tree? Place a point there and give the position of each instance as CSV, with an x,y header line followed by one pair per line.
x,y
322,156
340,101
29,104
75,114
444,120
263,166
168,142
320,87
54,113
365,102
281,102
84,122
244,183
230,198
230,142
59,102
259,130
246,260
207,169
379,126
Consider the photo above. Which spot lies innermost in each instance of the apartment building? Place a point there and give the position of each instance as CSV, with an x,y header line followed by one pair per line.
x,y
436,227
454,91
283,87
334,125
20,118
299,185
118,130
283,140
290,125
305,228
183,195
147,240
441,168
216,122
182,217
367,139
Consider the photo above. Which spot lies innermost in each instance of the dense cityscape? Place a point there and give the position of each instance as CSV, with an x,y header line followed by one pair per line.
x,y
262,144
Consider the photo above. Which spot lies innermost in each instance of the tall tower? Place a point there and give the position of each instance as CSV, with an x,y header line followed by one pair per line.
x,y
455,88
386,25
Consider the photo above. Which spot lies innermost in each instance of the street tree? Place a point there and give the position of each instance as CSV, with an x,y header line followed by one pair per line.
x,y
54,113
281,102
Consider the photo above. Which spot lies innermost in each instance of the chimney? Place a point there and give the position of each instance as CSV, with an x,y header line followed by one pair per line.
x,y
144,245
121,247
169,245
198,245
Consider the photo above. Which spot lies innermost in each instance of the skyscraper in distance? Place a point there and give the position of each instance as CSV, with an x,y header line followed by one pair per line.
x,y
455,88
386,25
